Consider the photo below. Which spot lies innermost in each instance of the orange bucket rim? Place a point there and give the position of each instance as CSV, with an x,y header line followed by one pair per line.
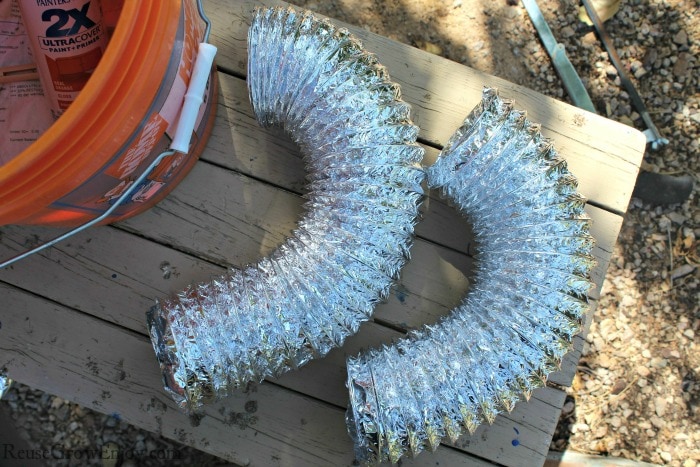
x,y
26,179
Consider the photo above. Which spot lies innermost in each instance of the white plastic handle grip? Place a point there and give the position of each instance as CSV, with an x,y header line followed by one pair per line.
x,y
193,97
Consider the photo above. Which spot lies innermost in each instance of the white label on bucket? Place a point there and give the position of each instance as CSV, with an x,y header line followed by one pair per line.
x,y
24,112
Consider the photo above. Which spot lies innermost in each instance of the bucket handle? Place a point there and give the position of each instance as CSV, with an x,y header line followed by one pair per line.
x,y
194,97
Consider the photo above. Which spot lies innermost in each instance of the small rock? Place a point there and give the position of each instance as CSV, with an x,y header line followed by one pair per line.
x,y
681,38
567,31
680,68
89,421
108,434
639,72
618,387
666,456
151,445
657,362
601,431
682,271
689,333
660,406
56,403
580,428
568,408
607,326
62,413
669,353
650,58
676,217
657,422
605,361
628,301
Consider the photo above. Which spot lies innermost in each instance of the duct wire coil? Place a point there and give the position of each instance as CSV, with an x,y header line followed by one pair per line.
x,y
364,189
517,321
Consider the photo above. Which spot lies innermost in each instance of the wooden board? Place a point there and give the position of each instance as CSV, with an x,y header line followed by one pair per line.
x,y
111,369
72,318
431,284
605,155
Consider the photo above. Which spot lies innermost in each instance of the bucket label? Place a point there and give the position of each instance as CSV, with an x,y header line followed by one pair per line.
x,y
68,39
24,114
128,164
153,137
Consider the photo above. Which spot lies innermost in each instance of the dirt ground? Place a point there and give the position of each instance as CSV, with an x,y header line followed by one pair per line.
x,y
636,394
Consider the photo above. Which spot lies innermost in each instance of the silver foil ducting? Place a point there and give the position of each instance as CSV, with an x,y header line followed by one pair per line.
x,y
364,189
5,383
516,322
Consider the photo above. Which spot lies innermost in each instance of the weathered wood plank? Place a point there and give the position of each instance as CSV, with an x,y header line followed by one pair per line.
x,y
246,203
431,284
239,144
233,220
117,276
123,273
605,155
110,369
120,275
126,294
126,270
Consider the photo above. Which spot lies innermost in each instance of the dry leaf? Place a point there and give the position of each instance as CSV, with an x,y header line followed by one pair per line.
x,y
431,48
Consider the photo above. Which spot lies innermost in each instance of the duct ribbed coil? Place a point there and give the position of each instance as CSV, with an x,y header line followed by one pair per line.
x,y
364,188
516,322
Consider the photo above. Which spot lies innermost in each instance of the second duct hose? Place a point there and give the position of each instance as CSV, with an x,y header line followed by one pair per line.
x,y
517,320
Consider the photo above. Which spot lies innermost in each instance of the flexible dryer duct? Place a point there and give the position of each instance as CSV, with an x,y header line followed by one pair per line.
x,y
364,190
516,322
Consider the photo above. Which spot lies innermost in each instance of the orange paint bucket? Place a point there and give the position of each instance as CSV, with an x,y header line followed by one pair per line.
x,y
124,117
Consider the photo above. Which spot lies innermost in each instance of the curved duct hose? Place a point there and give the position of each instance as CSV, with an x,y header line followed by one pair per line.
x,y
364,189
516,322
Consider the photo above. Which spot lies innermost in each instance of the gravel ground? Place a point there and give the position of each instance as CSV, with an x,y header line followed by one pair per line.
x,y
637,392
